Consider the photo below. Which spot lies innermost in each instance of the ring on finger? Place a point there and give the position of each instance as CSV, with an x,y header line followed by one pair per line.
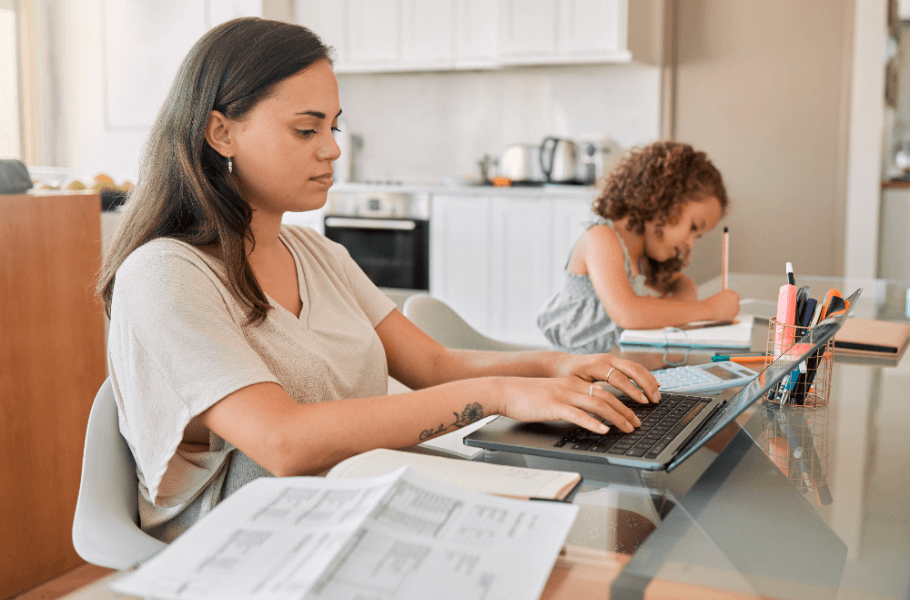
x,y
610,372
591,390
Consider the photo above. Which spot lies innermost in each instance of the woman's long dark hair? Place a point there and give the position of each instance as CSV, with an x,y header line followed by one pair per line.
x,y
653,183
185,190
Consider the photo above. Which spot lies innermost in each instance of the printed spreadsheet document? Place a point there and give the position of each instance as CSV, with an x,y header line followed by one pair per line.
x,y
397,536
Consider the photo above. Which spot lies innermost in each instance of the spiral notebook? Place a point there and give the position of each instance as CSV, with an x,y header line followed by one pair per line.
x,y
736,335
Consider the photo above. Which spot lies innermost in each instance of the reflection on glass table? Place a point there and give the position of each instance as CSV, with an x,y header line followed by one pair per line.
x,y
790,502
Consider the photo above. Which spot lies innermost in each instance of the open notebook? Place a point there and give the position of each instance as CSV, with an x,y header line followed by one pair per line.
x,y
737,335
501,480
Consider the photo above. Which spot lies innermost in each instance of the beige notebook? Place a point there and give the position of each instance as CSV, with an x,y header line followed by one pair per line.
x,y
863,337
501,480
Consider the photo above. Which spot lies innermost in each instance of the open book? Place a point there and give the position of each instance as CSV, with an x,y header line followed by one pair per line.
x,y
502,480
736,335
401,536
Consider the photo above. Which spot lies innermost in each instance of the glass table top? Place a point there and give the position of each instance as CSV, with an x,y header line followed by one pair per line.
x,y
789,502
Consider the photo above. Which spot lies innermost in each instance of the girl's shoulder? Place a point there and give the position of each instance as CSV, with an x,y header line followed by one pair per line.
x,y
602,232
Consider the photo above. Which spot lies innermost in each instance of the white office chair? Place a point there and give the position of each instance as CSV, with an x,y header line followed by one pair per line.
x,y
106,526
443,324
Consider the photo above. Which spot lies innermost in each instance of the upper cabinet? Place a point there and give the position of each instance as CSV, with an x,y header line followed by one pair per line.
x,y
432,35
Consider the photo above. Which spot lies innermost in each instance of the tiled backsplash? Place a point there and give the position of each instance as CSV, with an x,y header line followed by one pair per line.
x,y
425,127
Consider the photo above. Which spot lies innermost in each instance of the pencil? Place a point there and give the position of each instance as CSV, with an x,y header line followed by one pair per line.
x,y
726,251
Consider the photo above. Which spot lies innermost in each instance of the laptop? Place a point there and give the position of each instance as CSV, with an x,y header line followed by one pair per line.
x,y
679,425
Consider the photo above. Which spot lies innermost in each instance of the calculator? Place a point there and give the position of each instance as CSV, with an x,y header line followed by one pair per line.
x,y
706,378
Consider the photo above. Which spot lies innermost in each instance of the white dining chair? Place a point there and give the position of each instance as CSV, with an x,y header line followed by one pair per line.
x,y
106,525
438,320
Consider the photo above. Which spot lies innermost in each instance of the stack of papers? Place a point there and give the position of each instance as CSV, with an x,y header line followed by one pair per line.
x,y
400,536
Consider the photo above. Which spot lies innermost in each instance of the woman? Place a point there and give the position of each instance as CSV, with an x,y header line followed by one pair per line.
x,y
241,348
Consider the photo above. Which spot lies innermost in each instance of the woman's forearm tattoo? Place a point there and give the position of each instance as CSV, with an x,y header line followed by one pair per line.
x,y
471,413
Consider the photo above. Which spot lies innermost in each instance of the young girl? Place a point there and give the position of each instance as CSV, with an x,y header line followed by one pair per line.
x,y
625,272
240,347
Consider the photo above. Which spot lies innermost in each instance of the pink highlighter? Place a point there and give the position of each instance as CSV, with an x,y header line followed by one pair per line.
x,y
786,314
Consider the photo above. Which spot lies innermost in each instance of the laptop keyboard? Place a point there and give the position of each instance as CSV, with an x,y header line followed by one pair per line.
x,y
660,424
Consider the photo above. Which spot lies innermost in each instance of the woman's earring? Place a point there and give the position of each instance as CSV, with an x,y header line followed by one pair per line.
x,y
230,165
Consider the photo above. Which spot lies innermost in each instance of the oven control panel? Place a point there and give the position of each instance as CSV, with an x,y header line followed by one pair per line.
x,y
379,205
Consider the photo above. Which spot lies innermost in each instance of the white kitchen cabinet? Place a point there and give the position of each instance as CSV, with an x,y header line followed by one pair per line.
x,y
571,216
894,242
460,255
476,34
373,34
591,28
327,18
427,33
522,260
580,31
497,258
416,35
526,30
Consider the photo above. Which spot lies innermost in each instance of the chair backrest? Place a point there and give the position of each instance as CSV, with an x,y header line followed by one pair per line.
x,y
106,526
444,325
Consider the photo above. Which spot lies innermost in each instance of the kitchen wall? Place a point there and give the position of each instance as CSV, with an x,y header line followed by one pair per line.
x,y
764,89
425,127
110,76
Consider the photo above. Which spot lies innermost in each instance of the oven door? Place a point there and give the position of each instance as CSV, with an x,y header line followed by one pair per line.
x,y
394,253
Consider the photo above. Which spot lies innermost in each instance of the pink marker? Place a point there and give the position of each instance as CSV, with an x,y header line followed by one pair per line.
x,y
786,314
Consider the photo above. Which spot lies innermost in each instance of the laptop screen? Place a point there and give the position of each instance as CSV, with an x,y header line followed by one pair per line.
x,y
767,380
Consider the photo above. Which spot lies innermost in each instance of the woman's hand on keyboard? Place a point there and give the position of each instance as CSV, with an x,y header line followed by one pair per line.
x,y
625,375
567,399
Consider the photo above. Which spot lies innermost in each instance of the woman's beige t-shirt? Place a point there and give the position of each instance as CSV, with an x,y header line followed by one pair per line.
x,y
178,343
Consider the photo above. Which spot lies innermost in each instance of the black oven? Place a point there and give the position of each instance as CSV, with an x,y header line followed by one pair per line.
x,y
386,233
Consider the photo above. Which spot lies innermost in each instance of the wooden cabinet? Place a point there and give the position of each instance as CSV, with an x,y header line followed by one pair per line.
x,y
412,35
51,365
497,258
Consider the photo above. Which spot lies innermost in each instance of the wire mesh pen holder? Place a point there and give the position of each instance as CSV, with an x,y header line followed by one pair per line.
x,y
795,438
808,385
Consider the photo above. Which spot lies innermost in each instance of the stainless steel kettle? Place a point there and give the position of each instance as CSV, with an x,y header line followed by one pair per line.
x,y
559,160
521,163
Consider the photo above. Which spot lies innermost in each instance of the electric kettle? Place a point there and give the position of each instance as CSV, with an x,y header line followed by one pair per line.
x,y
559,160
521,163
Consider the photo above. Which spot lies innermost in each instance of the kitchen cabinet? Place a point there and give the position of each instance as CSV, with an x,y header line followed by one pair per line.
x,y
460,255
591,28
328,19
522,279
526,29
894,244
427,33
373,31
415,35
496,258
53,362
476,34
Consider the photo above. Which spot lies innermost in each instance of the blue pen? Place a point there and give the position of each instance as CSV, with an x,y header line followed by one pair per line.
x,y
784,393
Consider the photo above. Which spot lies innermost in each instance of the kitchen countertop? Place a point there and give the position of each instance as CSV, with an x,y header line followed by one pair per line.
x,y
895,184
576,191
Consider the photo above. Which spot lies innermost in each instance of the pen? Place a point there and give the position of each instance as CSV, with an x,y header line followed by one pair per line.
x,y
726,251
740,358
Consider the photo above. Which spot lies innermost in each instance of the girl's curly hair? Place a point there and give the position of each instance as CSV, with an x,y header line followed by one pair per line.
x,y
653,183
